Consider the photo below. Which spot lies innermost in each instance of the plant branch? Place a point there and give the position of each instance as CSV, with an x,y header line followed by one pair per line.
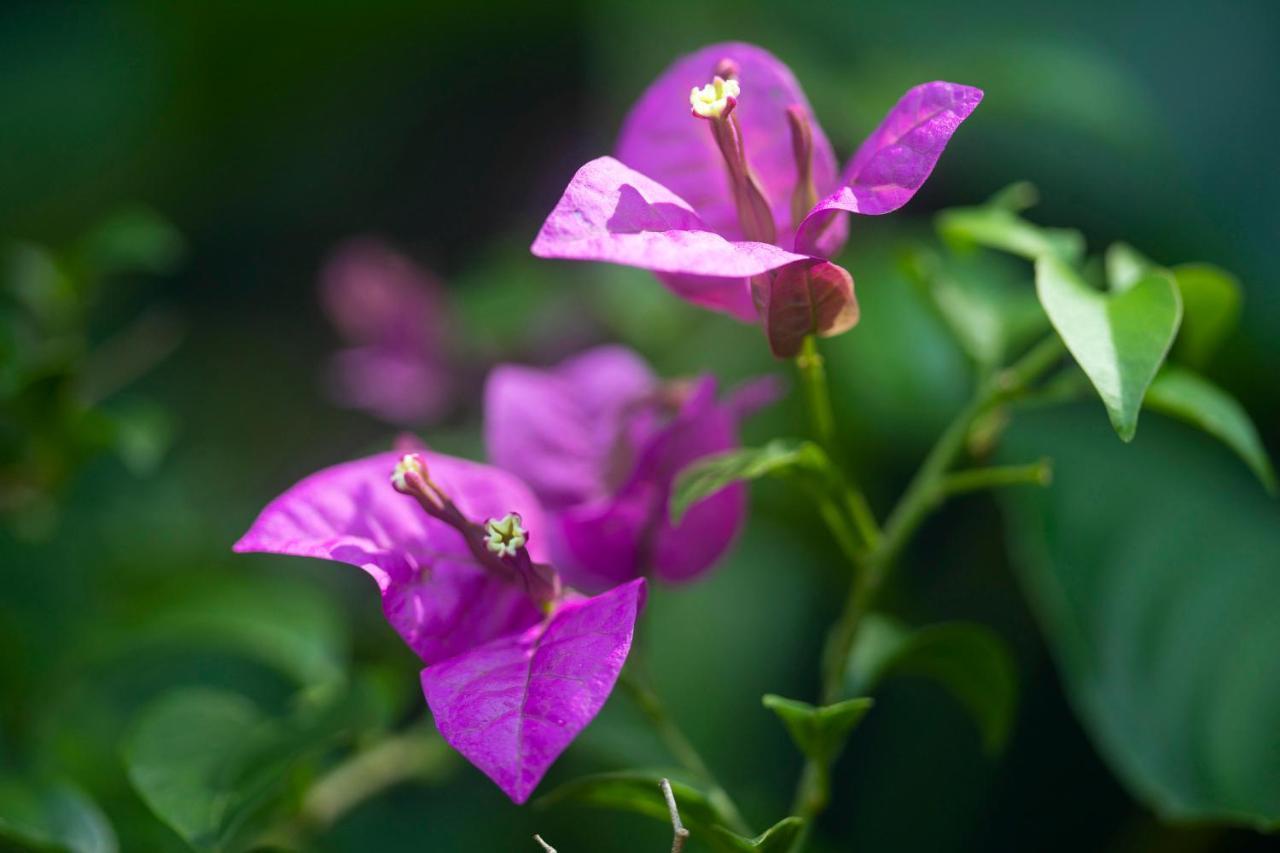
x,y
681,748
546,848
679,834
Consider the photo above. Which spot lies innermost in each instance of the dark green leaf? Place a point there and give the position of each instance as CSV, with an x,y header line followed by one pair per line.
x,y
52,817
637,791
999,228
712,473
1191,397
776,839
287,625
819,733
1154,570
188,757
970,661
1119,339
1211,308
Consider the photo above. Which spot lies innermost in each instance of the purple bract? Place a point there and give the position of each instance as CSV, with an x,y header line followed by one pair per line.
x,y
739,201
516,665
600,439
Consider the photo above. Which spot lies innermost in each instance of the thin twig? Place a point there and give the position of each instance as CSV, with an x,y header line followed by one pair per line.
x,y
547,848
681,835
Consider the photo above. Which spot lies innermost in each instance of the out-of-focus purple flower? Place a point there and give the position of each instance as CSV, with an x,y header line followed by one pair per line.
x,y
734,208
517,664
600,439
394,318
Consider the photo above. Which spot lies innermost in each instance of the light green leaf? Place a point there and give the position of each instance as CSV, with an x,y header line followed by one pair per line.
x,y
1000,228
1154,570
1182,394
1211,300
819,732
52,817
712,473
991,313
1015,198
970,661
776,839
188,758
1119,339
1125,266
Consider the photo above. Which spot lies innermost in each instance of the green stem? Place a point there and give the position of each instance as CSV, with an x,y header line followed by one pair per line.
x,y
417,753
976,479
922,494
813,376
682,749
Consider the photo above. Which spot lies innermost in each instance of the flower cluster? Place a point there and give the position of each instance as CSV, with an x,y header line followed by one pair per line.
x,y
735,208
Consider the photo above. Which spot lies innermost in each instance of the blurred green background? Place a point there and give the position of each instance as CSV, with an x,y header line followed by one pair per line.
x,y
267,133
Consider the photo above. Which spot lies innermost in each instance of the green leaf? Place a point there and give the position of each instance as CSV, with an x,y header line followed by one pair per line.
x,y
712,473
778,838
994,227
1211,300
52,817
818,732
970,661
133,239
194,758
1015,198
288,625
1119,339
991,312
1154,571
634,791
1182,394
1125,266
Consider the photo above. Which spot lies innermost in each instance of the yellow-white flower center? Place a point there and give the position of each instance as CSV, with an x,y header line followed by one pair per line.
x,y
713,99
506,535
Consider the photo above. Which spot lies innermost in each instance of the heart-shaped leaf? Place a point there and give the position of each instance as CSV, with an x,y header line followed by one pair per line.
x,y
1186,395
712,473
970,661
513,705
1118,339
819,732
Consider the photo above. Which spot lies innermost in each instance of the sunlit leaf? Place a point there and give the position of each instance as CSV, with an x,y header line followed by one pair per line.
x,y
1155,571
712,473
52,817
970,661
1125,266
1186,395
999,228
1119,339
991,314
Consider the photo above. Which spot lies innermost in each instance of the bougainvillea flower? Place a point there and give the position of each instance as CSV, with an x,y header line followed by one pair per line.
x,y
394,318
600,439
729,191
516,664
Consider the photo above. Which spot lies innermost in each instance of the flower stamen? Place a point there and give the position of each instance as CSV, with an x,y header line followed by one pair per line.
x,y
716,99
505,536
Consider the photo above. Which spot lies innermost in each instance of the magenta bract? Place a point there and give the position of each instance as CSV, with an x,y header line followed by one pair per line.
x,y
669,204
600,439
393,317
533,677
